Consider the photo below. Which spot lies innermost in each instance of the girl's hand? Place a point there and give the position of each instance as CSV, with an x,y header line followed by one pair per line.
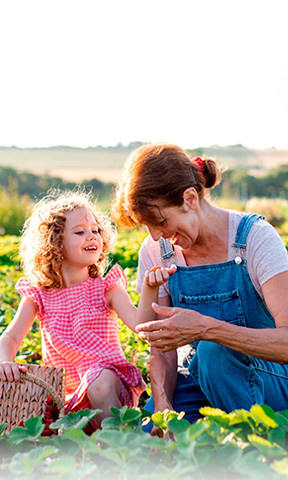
x,y
158,275
9,371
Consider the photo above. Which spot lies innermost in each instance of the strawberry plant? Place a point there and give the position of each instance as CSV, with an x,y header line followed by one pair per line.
x,y
239,445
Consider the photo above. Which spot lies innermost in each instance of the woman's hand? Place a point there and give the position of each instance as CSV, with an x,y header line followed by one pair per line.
x,y
9,371
158,275
181,327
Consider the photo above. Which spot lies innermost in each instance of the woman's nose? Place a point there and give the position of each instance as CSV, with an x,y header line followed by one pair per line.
x,y
155,233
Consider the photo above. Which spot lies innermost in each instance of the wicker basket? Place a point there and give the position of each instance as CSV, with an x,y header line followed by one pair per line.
x,y
27,398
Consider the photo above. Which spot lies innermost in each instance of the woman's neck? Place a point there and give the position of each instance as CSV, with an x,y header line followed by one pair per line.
x,y
212,243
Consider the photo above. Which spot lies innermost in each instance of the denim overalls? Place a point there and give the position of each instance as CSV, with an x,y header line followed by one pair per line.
x,y
219,376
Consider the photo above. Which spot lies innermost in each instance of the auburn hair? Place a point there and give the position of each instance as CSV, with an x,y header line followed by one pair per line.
x,y
159,172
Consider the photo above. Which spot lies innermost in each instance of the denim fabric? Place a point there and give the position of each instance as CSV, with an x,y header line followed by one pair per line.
x,y
188,398
222,377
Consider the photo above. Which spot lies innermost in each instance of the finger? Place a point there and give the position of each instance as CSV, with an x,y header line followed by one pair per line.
x,y
154,269
163,310
23,368
2,374
157,432
16,371
172,269
149,326
158,339
9,374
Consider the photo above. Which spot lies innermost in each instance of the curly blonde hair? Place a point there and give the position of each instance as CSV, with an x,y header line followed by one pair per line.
x,y
41,244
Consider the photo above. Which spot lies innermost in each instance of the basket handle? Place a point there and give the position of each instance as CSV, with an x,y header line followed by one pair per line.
x,y
38,381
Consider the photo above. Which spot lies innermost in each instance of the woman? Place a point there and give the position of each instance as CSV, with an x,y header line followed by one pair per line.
x,y
228,299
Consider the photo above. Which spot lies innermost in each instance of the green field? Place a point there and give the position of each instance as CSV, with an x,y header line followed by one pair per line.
x,y
241,445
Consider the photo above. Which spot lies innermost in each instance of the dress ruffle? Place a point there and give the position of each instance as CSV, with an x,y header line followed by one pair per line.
x,y
27,290
116,274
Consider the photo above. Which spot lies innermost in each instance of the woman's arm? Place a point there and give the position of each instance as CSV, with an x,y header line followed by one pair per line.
x,y
163,376
11,340
184,326
163,373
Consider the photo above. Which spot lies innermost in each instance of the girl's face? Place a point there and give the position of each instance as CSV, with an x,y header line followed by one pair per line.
x,y
82,242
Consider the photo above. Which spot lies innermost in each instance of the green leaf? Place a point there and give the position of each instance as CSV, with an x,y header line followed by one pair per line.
x,y
252,467
280,466
34,425
217,415
131,416
265,447
264,414
76,435
110,422
2,427
119,412
32,430
75,420
64,445
178,426
193,432
26,463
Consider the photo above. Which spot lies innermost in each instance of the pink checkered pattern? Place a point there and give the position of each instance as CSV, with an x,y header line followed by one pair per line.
x,y
79,333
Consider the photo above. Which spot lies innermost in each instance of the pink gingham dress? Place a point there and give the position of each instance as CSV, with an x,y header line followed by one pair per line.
x,y
79,333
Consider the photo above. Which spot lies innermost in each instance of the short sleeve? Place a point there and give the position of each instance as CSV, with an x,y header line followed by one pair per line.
x,y
116,274
266,253
149,256
31,291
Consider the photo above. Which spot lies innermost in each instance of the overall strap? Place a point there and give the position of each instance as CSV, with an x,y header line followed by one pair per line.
x,y
244,228
167,249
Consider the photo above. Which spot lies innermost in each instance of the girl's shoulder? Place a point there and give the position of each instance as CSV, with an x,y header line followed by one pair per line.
x,y
115,274
26,289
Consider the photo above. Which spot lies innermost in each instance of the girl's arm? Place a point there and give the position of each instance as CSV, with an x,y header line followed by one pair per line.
x,y
149,292
11,340
119,300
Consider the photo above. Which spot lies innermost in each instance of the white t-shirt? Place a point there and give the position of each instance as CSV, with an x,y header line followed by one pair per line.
x,y
265,254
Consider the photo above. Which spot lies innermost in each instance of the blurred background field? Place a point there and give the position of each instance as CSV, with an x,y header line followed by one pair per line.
x,y
126,254
247,185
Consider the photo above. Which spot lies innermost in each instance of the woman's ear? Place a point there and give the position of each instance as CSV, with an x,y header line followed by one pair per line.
x,y
190,198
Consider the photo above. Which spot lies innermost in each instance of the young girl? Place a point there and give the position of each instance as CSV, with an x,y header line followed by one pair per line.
x,y
64,250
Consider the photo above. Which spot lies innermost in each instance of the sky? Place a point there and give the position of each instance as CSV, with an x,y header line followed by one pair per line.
x,y
101,72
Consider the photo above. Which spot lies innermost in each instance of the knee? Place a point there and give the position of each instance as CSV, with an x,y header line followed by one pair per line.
x,y
103,388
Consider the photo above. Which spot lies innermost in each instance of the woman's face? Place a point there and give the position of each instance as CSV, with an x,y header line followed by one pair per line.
x,y
177,224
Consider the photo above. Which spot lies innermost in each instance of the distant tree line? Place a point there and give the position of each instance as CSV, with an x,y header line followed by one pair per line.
x,y
35,186
236,183
239,184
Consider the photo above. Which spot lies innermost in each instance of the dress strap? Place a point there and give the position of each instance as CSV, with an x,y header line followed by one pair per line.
x,y
167,249
244,228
